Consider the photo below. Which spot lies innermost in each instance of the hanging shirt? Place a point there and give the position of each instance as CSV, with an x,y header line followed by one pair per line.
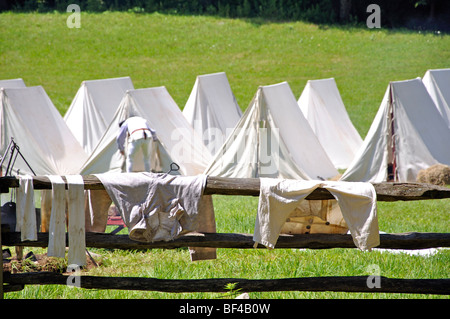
x,y
162,207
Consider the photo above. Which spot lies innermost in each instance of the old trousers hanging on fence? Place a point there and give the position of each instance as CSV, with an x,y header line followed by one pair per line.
x,y
278,198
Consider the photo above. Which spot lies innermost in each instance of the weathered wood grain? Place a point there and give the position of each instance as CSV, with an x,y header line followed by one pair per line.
x,y
244,241
250,187
341,284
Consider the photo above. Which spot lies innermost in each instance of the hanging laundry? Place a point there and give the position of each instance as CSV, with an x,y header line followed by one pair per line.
x,y
57,227
76,227
278,198
25,209
159,207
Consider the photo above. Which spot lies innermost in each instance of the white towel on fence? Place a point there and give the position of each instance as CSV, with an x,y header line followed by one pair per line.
x,y
57,227
278,198
159,207
76,225
77,238
26,210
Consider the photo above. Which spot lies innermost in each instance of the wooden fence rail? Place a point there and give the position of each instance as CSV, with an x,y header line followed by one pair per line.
x,y
243,241
246,187
250,187
340,284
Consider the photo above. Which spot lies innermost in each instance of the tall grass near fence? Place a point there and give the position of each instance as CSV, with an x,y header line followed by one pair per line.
x,y
156,49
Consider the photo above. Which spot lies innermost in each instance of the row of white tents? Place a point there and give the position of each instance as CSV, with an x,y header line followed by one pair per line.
x,y
277,136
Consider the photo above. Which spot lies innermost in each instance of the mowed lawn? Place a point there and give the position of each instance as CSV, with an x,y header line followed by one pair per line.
x,y
165,50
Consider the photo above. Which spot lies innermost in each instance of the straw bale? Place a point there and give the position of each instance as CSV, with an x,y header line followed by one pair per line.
x,y
438,174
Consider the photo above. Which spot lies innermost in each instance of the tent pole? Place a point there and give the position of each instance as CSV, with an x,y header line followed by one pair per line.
x,y
392,136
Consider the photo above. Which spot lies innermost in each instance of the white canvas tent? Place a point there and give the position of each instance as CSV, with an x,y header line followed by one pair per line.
x,y
437,82
12,83
407,135
93,108
28,115
212,109
177,141
322,106
272,139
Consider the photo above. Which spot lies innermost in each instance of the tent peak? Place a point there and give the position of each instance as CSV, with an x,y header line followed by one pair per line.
x,y
274,85
406,81
322,80
210,74
107,79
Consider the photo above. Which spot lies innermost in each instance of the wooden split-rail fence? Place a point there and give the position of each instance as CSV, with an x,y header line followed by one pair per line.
x,y
248,187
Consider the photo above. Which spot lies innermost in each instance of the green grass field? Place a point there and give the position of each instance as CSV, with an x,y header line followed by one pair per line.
x,y
164,50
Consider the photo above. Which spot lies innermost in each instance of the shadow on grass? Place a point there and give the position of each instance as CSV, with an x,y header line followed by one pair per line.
x,y
413,20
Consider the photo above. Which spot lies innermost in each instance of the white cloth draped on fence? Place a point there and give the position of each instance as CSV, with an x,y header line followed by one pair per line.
x,y
278,198
159,207
76,224
25,209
